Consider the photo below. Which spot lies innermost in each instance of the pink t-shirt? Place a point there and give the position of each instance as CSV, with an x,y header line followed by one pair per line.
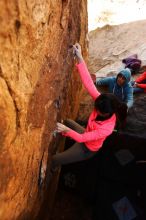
x,y
96,131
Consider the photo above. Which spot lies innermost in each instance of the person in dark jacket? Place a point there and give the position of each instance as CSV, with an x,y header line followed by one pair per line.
x,y
133,63
119,85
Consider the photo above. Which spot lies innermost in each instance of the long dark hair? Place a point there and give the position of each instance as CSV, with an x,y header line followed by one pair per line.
x,y
109,103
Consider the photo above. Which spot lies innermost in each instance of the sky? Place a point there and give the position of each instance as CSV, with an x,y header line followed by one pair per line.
x,y
102,12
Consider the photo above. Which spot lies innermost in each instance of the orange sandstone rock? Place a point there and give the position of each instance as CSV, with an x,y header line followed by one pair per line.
x,y
38,86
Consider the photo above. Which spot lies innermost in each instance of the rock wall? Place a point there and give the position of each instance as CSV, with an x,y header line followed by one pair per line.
x,y
38,86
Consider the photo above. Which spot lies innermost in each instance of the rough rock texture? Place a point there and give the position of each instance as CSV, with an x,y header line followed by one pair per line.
x,y
38,86
107,47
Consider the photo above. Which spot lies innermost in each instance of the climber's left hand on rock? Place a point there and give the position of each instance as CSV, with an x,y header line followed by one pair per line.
x,y
61,128
77,52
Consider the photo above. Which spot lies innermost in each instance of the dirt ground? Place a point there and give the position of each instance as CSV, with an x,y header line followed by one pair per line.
x,y
71,206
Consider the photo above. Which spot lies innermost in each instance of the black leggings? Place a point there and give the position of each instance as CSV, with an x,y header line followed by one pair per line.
x,y
77,152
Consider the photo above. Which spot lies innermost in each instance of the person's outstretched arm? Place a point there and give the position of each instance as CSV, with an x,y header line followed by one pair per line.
x,y
84,73
103,132
129,97
104,81
141,85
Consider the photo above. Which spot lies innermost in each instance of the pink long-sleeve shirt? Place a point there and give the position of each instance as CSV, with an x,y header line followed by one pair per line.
x,y
96,131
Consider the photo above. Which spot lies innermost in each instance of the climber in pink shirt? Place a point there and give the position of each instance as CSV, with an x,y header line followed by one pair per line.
x,y
101,123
